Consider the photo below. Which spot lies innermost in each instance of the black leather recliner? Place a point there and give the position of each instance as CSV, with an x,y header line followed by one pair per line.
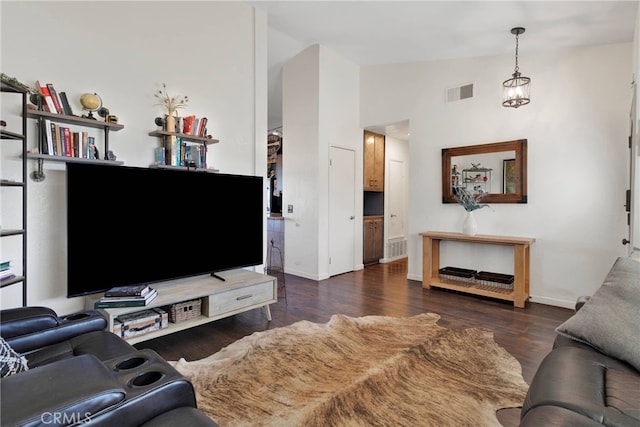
x,y
578,384
80,373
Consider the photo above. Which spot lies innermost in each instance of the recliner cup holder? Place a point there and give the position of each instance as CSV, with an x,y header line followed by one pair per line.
x,y
77,316
146,379
131,363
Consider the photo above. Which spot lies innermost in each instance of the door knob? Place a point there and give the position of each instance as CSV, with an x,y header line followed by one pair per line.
x,y
352,217
625,241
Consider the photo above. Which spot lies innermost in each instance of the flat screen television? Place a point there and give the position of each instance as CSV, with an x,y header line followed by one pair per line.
x,y
131,225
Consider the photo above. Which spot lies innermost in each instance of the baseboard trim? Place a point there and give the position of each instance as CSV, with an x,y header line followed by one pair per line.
x,y
302,274
553,301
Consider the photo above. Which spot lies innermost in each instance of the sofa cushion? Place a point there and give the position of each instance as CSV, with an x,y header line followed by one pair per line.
x,y
102,344
67,392
555,416
589,383
11,362
181,417
610,320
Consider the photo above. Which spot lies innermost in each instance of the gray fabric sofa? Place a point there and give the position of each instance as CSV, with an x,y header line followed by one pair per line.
x,y
591,377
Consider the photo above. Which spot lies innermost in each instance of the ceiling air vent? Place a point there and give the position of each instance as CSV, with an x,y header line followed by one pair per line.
x,y
460,92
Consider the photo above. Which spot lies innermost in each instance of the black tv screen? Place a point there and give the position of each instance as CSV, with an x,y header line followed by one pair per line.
x,y
131,225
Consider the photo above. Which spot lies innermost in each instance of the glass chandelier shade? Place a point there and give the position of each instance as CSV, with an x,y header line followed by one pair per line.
x,y
516,90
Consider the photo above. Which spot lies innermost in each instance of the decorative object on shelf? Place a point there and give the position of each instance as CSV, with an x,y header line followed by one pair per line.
x,y
170,103
104,113
185,310
515,91
469,225
90,102
470,202
170,123
12,81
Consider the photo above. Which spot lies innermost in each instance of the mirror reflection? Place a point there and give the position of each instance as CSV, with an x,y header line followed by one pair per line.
x,y
498,169
486,173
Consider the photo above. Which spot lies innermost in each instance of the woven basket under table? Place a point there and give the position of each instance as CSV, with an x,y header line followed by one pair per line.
x,y
185,310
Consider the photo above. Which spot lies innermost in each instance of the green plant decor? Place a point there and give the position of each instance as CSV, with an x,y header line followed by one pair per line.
x,y
16,83
470,201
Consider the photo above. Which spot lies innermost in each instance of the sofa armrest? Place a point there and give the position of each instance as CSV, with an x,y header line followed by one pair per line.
x,y
62,329
580,302
62,393
26,320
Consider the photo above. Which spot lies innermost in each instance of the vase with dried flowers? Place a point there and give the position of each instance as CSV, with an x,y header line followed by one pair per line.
x,y
470,202
171,105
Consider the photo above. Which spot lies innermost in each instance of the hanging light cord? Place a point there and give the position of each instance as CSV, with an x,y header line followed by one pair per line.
x,y
517,69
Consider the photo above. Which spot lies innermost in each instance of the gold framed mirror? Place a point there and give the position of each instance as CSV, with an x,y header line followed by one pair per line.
x,y
499,169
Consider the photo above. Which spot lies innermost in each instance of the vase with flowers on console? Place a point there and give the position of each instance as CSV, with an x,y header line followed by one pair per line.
x,y
470,202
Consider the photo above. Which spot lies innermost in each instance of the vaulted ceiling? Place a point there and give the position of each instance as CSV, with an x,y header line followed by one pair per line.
x,y
385,32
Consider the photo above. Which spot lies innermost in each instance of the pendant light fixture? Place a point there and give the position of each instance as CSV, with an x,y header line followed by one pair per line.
x,y
515,91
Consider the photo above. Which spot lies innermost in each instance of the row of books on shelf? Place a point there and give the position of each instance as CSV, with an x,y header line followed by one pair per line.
x,y
179,153
52,101
5,271
192,125
63,141
127,296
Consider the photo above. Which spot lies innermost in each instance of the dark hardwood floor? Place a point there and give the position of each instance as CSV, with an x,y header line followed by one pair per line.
x,y
381,289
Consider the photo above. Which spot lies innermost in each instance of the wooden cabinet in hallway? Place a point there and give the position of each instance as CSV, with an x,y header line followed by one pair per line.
x,y
373,239
373,161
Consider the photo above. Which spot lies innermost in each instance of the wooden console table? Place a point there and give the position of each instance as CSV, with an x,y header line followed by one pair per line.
x,y
431,260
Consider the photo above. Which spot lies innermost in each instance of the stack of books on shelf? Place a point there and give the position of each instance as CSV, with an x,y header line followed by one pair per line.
x,y
63,141
127,296
5,271
52,101
179,153
196,126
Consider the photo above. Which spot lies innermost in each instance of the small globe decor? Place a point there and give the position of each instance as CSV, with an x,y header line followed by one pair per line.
x,y
90,102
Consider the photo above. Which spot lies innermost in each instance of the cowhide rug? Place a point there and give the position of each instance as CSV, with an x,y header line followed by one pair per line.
x,y
367,371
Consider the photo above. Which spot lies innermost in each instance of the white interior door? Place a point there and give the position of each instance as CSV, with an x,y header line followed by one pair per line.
x,y
397,209
633,193
342,181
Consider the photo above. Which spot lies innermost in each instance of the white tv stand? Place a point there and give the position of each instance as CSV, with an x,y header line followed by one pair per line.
x,y
242,290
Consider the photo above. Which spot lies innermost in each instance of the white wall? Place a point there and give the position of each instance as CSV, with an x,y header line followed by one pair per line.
x,y
635,185
214,52
320,109
301,162
577,129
